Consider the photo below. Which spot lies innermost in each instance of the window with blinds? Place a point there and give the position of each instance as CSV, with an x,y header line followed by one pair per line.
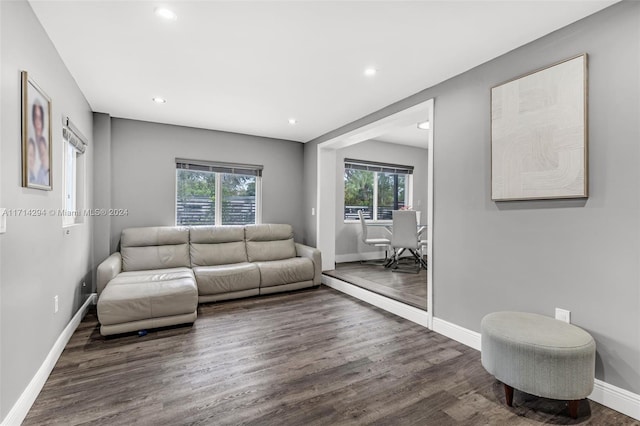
x,y
75,145
217,193
376,189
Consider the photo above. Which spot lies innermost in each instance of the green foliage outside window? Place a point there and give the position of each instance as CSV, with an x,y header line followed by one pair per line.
x,y
387,187
359,193
196,198
196,184
358,188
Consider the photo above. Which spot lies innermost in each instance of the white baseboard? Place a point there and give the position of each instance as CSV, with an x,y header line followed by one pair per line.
x,y
611,396
21,408
367,255
457,333
393,306
355,257
616,398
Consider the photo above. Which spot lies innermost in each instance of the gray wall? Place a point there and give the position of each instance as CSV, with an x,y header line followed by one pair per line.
x,y
310,201
348,235
101,186
534,256
143,175
37,260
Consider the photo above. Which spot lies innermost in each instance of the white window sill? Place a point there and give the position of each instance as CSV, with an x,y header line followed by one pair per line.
x,y
370,222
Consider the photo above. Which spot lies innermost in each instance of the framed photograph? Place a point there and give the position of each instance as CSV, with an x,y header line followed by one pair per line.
x,y
36,136
539,134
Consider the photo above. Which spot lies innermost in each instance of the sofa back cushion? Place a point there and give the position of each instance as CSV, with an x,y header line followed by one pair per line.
x,y
217,245
157,247
269,242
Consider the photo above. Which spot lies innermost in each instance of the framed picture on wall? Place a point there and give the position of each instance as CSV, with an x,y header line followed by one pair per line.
x,y
539,134
36,136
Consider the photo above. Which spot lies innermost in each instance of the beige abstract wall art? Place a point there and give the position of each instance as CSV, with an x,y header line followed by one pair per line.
x,y
539,134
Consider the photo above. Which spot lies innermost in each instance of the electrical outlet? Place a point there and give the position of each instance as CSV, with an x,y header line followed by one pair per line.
x,y
313,211
563,315
55,304
84,284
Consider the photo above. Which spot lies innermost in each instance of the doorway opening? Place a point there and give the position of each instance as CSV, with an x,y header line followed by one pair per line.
x,y
327,217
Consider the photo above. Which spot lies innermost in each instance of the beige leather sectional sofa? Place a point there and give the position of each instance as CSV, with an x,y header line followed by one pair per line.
x,y
161,273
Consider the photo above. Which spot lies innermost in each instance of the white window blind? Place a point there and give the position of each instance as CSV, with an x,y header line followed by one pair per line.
x,y
219,167
373,166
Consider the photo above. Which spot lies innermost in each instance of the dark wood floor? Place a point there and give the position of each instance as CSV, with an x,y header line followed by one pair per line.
x,y
407,288
315,357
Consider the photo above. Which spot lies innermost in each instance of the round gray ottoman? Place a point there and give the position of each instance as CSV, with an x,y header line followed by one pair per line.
x,y
539,355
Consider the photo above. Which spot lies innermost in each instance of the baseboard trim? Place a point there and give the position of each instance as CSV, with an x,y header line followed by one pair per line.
x,y
616,398
457,333
393,306
21,408
355,257
610,396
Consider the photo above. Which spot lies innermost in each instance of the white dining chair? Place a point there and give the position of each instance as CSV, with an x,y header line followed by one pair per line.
x,y
422,241
405,237
376,242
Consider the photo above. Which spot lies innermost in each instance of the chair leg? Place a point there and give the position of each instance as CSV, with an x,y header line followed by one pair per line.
x,y
419,259
415,271
390,261
382,262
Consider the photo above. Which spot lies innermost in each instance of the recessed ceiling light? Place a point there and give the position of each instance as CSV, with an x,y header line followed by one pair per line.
x,y
165,13
370,72
424,125
292,121
159,100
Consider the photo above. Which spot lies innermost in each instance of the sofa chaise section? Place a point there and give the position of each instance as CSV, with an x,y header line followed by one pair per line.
x,y
149,283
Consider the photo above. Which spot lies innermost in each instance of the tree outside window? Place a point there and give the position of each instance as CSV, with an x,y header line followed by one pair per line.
x,y
358,193
197,202
377,194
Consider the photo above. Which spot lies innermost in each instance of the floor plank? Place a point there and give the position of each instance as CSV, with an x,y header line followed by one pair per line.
x,y
313,357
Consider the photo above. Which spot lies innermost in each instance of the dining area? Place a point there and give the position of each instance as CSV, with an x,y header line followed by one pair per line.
x,y
378,227
392,258
404,240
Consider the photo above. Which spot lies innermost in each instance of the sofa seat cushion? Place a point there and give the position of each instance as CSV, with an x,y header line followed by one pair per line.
x,y
226,278
140,295
286,271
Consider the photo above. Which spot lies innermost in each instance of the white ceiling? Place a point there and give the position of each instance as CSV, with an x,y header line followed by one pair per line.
x,y
248,66
406,135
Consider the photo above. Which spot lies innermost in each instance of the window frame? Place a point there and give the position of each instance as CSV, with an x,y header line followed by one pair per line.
x,y
376,168
220,169
74,148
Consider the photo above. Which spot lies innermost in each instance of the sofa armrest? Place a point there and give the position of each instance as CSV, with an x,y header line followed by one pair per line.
x,y
108,270
315,256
